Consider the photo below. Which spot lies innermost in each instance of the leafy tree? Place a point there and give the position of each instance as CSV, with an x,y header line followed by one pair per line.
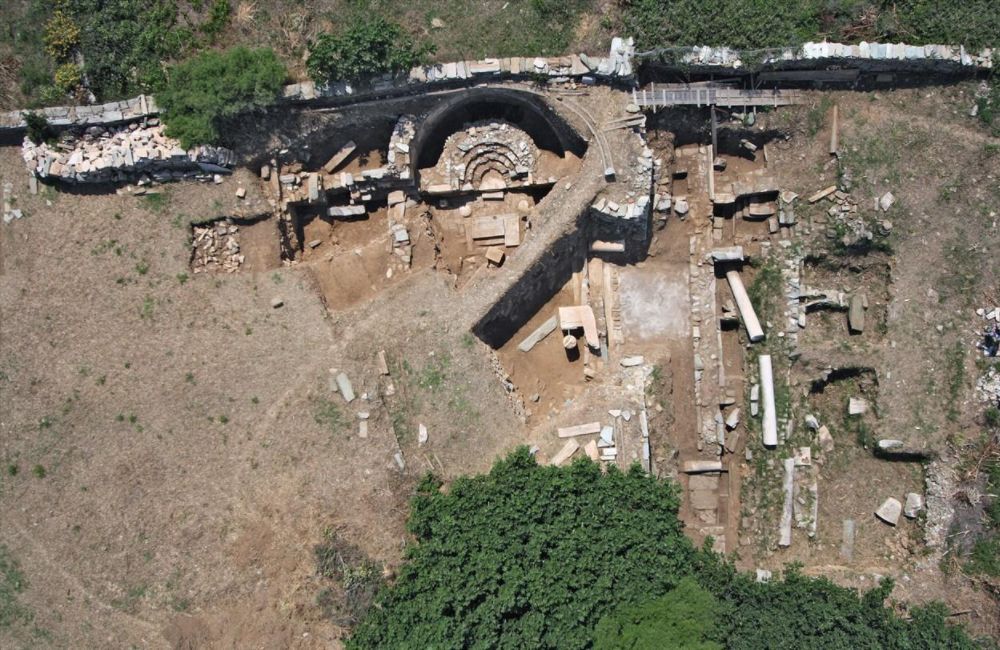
x,y
684,619
529,557
213,86
368,45
545,557
125,42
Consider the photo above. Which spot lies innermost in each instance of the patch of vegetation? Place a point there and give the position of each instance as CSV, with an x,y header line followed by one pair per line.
x,y
156,202
218,18
12,583
533,556
989,108
961,272
125,42
985,557
816,117
327,414
203,92
357,579
367,45
769,23
765,291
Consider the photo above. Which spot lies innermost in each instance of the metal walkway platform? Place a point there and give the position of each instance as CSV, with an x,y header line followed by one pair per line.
x,y
657,95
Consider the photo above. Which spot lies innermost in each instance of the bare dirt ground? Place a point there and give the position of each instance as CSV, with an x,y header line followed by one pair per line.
x,y
183,424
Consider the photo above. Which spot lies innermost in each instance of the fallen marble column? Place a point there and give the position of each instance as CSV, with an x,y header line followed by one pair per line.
x,y
785,529
769,423
754,331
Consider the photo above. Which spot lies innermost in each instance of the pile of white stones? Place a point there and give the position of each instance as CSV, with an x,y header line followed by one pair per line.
x,y
216,248
123,154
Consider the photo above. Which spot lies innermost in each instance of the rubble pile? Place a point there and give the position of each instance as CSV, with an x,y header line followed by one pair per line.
x,y
990,343
119,154
624,207
216,248
398,158
845,222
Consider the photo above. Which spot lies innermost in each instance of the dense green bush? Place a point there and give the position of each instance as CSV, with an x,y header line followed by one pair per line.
x,y
684,619
529,557
213,86
534,557
368,45
126,42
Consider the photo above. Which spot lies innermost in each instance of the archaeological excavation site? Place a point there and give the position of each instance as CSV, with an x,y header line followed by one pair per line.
x,y
267,389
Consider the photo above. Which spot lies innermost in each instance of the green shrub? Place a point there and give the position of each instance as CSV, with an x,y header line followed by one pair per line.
x,y
68,77
62,35
218,18
205,90
545,557
684,619
39,130
368,45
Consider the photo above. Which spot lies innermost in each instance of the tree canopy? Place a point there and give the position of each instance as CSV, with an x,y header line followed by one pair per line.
x,y
532,556
203,91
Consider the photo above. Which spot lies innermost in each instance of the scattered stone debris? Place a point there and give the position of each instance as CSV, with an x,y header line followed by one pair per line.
x,y
889,511
564,454
276,302
914,504
886,201
857,406
589,428
856,314
421,435
216,248
344,384
788,486
847,543
825,440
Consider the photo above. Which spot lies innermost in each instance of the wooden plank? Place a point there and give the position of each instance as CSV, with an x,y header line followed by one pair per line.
x,y
590,428
563,455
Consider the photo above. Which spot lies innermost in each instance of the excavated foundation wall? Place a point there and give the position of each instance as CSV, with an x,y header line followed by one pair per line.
x,y
535,287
